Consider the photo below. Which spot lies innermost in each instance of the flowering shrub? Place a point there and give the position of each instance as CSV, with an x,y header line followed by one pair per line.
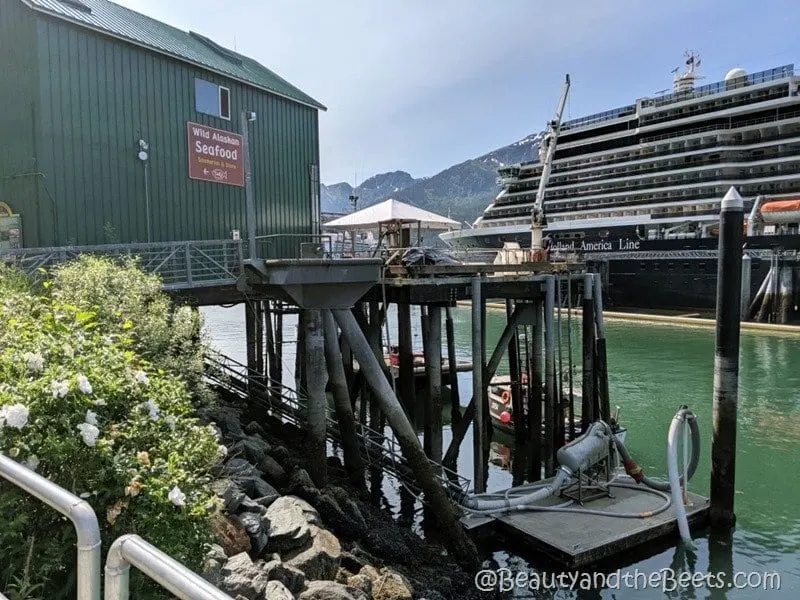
x,y
82,404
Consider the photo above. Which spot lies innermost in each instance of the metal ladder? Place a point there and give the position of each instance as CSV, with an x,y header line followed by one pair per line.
x,y
126,551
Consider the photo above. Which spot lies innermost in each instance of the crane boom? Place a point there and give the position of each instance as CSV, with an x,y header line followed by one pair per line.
x,y
546,152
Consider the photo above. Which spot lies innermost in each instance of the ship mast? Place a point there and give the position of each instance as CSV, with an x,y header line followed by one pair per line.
x,y
546,153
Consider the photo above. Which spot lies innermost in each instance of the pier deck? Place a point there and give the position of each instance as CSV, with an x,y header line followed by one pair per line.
x,y
577,540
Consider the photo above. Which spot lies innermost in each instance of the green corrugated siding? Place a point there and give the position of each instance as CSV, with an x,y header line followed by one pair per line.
x,y
101,95
20,184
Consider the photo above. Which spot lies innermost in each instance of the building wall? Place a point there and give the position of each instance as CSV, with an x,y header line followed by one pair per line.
x,y
101,95
20,181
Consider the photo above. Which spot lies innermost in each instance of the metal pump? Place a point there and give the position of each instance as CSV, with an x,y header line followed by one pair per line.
x,y
546,152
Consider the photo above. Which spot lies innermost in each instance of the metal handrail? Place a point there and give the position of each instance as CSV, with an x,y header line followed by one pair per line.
x,y
130,549
76,510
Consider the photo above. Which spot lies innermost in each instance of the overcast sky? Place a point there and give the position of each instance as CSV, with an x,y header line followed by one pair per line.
x,y
419,85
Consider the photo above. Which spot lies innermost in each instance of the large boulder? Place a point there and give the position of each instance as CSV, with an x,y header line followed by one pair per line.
x,y
213,562
342,516
254,527
391,586
329,590
292,578
289,521
251,448
240,577
273,471
239,468
230,493
275,590
230,534
321,559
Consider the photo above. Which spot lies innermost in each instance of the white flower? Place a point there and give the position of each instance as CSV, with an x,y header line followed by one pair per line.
x,y
177,497
170,421
141,377
15,415
153,408
215,432
89,433
68,351
32,462
35,362
59,388
85,495
222,450
99,402
91,418
84,385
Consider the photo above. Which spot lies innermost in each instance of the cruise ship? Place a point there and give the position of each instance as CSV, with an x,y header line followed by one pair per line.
x,y
637,190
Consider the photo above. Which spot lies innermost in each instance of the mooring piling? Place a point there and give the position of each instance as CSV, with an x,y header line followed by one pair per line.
x,y
588,414
406,359
455,400
535,370
317,404
549,378
726,360
515,375
747,273
451,529
341,401
479,391
433,373
604,399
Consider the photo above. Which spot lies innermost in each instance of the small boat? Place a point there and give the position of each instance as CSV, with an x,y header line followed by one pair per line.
x,y
502,413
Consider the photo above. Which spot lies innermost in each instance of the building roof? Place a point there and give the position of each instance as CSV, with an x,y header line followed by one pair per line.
x,y
118,21
391,211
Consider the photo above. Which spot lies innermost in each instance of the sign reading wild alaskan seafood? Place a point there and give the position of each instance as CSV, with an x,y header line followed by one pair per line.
x,y
215,155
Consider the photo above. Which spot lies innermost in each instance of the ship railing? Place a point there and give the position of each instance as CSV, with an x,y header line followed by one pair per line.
x,y
775,74
710,128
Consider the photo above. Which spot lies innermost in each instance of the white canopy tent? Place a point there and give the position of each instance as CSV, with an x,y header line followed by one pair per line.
x,y
393,220
391,211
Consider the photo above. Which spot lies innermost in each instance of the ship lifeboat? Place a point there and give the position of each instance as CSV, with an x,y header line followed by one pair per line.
x,y
781,211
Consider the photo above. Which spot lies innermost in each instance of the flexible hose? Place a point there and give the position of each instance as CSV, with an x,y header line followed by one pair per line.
x,y
635,471
674,479
486,504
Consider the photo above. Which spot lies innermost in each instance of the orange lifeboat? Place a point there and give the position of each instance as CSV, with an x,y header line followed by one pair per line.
x,y
781,211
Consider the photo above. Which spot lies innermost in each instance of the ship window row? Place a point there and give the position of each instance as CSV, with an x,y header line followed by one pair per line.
x,y
682,178
621,143
717,134
694,193
763,95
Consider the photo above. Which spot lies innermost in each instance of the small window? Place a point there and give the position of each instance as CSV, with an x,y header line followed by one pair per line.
x,y
225,103
212,99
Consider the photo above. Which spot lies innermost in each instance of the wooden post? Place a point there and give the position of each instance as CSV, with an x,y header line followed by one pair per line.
x,y
317,402
517,408
344,410
588,415
479,390
601,355
550,378
433,372
269,341
535,351
726,360
277,377
455,400
406,375
452,532
299,360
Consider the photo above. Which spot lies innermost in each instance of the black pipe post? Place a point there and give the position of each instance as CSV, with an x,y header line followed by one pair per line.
x,y
406,359
726,360
517,408
455,400
602,356
588,393
535,396
479,391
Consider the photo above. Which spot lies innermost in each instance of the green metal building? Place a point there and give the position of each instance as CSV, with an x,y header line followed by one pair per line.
x,y
99,105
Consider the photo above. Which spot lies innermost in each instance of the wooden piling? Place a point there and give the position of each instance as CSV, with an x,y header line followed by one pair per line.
x,y
550,425
601,355
452,532
299,359
406,367
341,401
726,361
517,408
588,414
536,369
433,373
479,390
747,272
277,377
272,365
455,400
317,403
785,298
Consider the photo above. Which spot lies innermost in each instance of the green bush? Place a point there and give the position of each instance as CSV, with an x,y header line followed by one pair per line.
x,y
89,403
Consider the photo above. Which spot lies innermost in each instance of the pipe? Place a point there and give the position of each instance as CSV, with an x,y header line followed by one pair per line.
x,y
130,550
635,471
76,510
755,213
674,479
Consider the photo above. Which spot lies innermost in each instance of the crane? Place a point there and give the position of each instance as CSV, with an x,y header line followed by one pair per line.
x,y
546,152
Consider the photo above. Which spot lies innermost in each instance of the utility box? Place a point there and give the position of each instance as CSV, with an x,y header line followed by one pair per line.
x,y
10,232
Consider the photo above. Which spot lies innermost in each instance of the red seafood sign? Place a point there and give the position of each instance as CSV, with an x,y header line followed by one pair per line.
x,y
215,155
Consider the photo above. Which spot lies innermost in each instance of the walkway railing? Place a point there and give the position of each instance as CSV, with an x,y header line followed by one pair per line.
x,y
279,400
180,265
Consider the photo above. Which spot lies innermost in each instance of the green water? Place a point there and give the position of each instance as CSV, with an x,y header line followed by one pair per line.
x,y
653,370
